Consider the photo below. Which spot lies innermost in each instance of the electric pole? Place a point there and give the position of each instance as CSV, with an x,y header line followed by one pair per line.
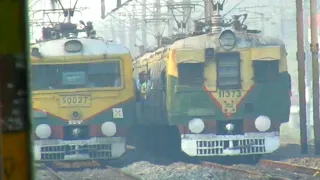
x,y
281,5
315,72
121,27
157,15
113,32
308,66
170,19
186,14
301,73
208,10
132,31
144,25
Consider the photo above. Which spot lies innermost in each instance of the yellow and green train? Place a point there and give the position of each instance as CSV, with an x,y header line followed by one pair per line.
x,y
83,97
221,93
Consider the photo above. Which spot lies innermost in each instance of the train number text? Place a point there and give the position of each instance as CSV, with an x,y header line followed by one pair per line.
x,y
78,100
230,93
75,122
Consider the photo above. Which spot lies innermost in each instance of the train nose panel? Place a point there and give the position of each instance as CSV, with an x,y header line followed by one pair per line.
x,y
75,152
225,145
79,150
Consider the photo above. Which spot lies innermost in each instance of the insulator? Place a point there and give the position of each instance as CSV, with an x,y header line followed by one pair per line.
x,y
216,24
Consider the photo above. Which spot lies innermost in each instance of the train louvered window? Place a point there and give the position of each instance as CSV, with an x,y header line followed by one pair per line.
x,y
265,71
228,70
191,74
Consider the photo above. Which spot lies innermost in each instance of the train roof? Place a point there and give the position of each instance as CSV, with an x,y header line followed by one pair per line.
x,y
244,40
90,47
145,56
199,42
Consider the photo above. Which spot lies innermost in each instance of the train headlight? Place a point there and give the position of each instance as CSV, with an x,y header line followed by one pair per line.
x,y
196,125
76,132
108,129
73,46
43,131
228,39
262,123
230,127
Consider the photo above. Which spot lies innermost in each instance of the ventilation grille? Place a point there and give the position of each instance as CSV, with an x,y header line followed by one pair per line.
x,y
97,151
246,146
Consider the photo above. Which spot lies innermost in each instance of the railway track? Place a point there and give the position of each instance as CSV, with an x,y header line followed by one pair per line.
x,y
114,173
291,167
264,170
272,170
252,174
53,173
125,175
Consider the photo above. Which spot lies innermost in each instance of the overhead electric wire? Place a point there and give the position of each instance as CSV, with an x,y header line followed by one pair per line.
x,y
232,8
116,9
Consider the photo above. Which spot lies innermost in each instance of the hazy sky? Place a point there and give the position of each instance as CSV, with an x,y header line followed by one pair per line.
x,y
262,15
93,13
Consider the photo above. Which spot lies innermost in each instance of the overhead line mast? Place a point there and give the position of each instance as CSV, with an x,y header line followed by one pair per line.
x,y
301,72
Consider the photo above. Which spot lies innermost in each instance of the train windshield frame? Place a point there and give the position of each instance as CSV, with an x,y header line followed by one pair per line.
x,y
105,74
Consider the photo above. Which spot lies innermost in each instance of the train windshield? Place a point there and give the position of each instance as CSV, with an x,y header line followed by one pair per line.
x,y
74,76
191,74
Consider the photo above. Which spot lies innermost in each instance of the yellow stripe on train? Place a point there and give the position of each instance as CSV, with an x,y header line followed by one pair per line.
x,y
86,101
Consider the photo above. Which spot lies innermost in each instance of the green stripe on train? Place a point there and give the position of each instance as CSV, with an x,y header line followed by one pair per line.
x,y
270,99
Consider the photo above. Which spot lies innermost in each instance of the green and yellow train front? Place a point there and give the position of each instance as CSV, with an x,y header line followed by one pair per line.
x,y
228,99
82,105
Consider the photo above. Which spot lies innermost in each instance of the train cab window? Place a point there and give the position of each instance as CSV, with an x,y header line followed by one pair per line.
x,y
228,70
265,71
191,74
104,74
73,76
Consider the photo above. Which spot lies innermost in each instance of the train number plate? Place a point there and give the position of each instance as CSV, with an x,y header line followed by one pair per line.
x,y
230,93
75,100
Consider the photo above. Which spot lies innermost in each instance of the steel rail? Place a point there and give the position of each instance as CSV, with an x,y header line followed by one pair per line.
x,y
54,173
242,171
291,167
126,173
